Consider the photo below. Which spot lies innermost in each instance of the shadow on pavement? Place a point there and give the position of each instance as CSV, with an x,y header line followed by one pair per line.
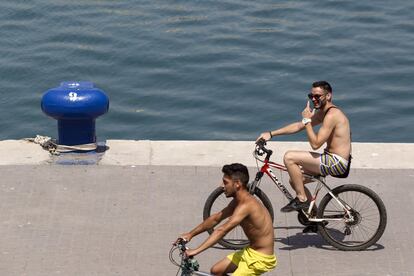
x,y
301,240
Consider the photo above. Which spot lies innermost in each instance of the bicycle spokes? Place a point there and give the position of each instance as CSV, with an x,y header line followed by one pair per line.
x,y
358,227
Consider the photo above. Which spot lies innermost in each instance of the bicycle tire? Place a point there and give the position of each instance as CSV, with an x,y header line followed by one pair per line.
x,y
359,198
235,239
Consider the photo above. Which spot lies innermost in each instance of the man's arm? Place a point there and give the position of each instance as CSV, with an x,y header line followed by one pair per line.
x,y
293,127
288,129
210,222
236,218
316,140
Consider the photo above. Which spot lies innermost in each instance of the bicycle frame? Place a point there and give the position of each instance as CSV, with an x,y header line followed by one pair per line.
x,y
194,272
267,169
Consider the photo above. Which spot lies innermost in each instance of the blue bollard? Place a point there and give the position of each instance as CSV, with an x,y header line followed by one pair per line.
x,y
75,105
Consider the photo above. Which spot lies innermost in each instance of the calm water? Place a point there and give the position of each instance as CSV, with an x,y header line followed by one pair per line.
x,y
209,70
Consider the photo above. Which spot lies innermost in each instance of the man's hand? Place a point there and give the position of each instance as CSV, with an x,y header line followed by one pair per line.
x,y
190,253
265,136
308,112
186,237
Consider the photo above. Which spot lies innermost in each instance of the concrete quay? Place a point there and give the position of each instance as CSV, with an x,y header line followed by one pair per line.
x,y
119,217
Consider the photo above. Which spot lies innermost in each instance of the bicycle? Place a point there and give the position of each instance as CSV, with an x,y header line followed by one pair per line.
x,y
188,266
349,217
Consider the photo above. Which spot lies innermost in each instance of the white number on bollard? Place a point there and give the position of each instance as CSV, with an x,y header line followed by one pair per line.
x,y
73,96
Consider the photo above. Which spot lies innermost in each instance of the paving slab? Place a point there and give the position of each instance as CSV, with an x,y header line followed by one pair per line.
x,y
121,220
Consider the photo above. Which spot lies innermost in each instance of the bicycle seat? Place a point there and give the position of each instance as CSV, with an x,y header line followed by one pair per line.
x,y
314,176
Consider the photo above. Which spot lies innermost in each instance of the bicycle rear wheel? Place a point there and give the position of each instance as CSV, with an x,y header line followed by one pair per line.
x,y
235,239
368,211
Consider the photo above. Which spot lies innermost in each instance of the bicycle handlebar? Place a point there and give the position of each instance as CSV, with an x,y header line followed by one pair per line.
x,y
181,245
187,263
261,149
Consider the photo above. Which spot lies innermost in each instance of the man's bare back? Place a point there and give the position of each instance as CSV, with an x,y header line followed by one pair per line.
x,y
257,225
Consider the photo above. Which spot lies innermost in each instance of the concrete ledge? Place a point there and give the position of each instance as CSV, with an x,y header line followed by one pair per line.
x,y
20,152
208,153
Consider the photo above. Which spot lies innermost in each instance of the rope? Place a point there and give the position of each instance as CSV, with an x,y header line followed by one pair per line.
x,y
54,148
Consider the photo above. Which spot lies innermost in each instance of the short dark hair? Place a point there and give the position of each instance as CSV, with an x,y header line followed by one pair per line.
x,y
237,171
324,85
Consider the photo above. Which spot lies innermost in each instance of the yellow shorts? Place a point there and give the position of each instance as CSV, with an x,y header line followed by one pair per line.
x,y
250,262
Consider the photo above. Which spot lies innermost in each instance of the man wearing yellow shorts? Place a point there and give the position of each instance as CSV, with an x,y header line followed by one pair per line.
x,y
251,215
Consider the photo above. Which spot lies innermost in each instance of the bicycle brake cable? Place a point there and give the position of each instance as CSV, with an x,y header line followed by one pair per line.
x,y
172,260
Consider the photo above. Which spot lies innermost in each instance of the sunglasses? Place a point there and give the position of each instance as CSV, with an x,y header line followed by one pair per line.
x,y
316,97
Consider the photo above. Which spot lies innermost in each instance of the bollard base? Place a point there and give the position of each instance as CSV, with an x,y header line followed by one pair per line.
x,y
81,158
76,132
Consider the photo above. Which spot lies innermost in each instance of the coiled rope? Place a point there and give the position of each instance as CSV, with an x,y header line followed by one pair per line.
x,y
54,148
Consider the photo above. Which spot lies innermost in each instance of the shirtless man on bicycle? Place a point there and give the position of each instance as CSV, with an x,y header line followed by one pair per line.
x,y
335,132
251,215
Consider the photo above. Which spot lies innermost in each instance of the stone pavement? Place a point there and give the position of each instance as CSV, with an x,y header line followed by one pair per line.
x,y
121,220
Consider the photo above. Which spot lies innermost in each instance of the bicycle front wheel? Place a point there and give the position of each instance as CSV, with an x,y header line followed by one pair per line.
x,y
235,239
369,218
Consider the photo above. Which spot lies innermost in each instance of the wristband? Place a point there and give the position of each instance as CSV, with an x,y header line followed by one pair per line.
x,y
271,136
306,121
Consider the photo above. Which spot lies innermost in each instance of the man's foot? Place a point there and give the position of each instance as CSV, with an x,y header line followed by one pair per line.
x,y
312,228
295,205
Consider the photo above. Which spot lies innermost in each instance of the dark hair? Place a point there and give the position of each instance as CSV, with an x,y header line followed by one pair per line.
x,y
324,85
237,171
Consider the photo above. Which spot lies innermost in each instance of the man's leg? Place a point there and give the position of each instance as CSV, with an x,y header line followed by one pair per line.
x,y
295,162
223,267
305,181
